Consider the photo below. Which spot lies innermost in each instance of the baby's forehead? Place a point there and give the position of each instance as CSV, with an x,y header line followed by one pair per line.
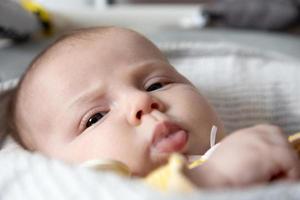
x,y
116,46
83,41
82,46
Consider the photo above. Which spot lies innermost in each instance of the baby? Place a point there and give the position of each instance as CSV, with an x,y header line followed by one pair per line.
x,y
109,93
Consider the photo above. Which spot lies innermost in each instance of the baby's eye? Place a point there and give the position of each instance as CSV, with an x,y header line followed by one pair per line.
x,y
94,119
154,86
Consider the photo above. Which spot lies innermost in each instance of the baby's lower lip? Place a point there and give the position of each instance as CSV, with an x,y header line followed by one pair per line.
x,y
174,142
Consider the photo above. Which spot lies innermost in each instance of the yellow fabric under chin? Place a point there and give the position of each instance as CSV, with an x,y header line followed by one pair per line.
x,y
170,177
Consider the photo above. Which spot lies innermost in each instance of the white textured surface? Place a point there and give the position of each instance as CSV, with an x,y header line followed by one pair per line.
x,y
246,86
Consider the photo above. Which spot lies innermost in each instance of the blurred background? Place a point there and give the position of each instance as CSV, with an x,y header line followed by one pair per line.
x,y
27,26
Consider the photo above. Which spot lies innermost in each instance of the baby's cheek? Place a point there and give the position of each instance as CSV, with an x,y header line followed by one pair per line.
x,y
194,111
191,101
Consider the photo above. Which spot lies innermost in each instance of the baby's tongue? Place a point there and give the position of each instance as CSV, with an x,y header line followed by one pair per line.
x,y
172,143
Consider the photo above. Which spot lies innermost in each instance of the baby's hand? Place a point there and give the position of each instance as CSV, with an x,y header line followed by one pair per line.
x,y
250,156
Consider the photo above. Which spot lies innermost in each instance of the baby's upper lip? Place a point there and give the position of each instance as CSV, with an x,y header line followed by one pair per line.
x,y
163,129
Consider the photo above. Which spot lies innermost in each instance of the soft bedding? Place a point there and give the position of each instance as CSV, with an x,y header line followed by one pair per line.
x,y
246,87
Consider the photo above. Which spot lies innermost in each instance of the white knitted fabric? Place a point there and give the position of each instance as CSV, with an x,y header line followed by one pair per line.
x,y
245,86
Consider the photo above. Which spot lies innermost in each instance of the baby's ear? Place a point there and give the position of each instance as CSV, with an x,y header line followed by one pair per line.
x,y
295,141
6,98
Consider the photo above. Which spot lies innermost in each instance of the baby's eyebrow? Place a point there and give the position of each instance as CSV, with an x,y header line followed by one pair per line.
x,y
96,92
145,68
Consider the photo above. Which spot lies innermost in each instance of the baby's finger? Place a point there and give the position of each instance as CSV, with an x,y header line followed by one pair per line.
x,y
294,173
288,162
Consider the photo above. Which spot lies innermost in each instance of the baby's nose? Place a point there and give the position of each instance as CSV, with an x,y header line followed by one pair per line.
x,y
142,103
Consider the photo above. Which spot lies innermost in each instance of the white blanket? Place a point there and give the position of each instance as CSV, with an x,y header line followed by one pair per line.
x,y
246,87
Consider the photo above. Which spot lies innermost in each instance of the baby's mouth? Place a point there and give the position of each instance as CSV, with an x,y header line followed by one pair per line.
x,y
168,137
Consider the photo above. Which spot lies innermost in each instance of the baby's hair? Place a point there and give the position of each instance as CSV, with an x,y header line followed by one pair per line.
x,y
10,99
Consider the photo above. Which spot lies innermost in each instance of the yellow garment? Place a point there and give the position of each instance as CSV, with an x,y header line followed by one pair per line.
x,y
170,177
107,165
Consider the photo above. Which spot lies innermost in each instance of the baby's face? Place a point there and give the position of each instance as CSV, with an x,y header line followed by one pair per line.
x,y
116,97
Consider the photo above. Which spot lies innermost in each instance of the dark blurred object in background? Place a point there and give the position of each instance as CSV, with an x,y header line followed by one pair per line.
x,y
279,15
21,20
254,14
15,22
